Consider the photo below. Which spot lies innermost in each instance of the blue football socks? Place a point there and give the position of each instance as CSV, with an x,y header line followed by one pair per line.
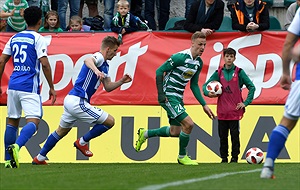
x,y
277,141
26,133
10,137
96,131
50,143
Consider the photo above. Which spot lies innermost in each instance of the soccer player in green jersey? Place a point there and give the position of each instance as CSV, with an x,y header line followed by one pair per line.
x,y
171,79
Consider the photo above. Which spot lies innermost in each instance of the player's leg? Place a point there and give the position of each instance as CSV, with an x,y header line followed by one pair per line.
x,y
164,131
14,111
280,133
234,127
101,120
184,138
223,135
67,121
51,141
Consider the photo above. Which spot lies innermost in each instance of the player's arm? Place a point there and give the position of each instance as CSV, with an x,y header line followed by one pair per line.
x,y
110,86
213,77
196,91
167,66
90,62
48,75
195,88
250,86
3,60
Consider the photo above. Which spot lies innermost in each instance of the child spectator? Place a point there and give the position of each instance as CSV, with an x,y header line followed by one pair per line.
x,y
51,23
123,21
13,10
2,25
75,24
230,105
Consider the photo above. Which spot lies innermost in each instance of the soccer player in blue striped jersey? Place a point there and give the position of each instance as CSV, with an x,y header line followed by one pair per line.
x,y
28,50
291,114
171,80
77,103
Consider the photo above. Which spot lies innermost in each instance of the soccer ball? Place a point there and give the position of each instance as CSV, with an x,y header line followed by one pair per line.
x,y
254,156
214,86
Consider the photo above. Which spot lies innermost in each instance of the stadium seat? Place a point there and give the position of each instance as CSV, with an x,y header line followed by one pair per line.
x,y
226,25
274,23
269,2
287,3
171,22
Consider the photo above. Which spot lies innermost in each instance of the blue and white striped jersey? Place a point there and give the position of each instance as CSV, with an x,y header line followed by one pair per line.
x,y
87,82
26,48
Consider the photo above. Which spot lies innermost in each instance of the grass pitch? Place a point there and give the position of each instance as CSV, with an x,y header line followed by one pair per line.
x,y
149,176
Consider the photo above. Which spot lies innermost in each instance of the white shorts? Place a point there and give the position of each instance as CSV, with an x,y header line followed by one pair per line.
x,y
31,104
76,108
292,105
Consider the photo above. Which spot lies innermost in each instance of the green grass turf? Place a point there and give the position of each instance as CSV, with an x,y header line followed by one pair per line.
x,y
141,175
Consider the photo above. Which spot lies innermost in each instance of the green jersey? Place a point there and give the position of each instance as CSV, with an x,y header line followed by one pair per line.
x,y
179,69
16,21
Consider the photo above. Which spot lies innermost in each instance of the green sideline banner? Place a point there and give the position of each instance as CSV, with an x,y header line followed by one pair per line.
x,y
117,145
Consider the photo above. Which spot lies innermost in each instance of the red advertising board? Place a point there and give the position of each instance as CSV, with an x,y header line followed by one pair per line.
x,y
259,54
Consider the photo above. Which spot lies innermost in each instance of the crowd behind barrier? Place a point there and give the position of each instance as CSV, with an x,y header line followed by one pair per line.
x,y
139,10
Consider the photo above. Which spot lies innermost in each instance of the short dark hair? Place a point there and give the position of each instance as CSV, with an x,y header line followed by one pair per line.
x,y
110,41
229,51
32,15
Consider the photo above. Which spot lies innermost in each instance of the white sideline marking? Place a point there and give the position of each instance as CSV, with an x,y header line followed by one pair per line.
x,y
176,183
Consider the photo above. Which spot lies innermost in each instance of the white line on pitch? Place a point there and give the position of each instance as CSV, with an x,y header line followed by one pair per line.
x,y
176,183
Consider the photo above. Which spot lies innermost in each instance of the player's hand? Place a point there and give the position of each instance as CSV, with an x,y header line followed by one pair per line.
x,y
240,106
22,12
208,112
285,82
52,95
212,95
12,12
100,75
126,78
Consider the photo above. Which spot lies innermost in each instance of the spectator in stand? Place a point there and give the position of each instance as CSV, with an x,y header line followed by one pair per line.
x,y
163,13
188,4
51,23
109,6
124,22
205,16
54,5
62,11
2,24
13,10
249,15
290,13
75,25
36,3
92,7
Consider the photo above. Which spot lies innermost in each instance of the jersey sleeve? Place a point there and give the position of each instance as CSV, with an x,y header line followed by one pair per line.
x,y
98,58
41,47
7,49
295,25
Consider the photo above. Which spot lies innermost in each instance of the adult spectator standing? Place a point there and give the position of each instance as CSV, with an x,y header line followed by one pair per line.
x,y
54,5
36,3
62,10
290,13
163,13
249,15
92,7
109,6
205,16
